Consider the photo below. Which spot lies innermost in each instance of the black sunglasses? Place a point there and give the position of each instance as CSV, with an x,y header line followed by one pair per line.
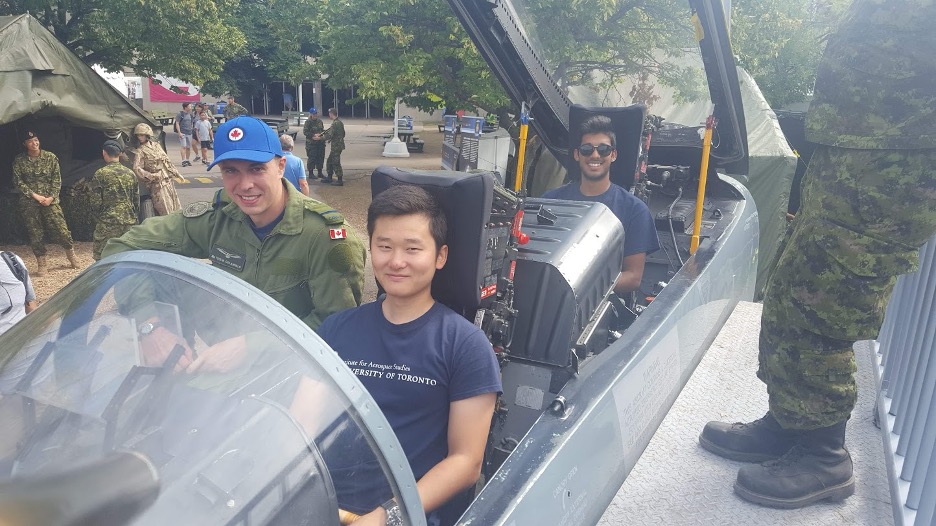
x,y
604,150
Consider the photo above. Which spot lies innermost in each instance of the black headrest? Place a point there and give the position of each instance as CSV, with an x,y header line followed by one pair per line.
x,y
466,199
628,125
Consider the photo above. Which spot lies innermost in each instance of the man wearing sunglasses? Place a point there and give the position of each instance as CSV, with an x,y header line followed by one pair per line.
x,y
595,154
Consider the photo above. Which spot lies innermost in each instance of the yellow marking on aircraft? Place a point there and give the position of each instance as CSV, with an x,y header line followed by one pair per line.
x,y
206,180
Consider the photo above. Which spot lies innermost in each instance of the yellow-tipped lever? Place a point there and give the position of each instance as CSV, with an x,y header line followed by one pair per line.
x,y
521,150
703,176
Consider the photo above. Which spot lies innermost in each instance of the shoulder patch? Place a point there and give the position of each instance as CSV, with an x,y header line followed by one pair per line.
x,y
196,209
331,216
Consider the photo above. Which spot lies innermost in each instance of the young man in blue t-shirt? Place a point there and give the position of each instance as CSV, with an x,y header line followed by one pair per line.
x,y
595,154
432,372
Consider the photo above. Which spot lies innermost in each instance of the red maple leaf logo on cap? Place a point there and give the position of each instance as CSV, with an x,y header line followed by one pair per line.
x,y
236,134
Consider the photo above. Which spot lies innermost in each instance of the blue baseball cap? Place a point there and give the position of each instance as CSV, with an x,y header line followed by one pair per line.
x,y
245,139
313,110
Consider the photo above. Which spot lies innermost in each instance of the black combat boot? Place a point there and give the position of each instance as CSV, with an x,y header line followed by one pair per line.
x,y
817,468
757,441
327,179
338,182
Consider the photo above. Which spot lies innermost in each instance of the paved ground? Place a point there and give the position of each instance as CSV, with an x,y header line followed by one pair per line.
x,y
676,482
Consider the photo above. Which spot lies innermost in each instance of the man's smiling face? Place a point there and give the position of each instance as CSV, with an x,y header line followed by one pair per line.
x,y
595,167
257,188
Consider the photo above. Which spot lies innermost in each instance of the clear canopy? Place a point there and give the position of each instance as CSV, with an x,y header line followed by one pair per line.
x,y
621,53
245,414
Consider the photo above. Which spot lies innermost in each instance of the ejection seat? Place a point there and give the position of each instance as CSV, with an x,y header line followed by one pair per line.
x,y
467,199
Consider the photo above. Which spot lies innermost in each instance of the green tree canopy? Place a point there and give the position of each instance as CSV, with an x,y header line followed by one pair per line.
x,y
779,42
280,44
188,39
414,49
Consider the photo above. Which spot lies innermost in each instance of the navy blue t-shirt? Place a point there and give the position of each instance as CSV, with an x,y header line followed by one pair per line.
x,y
639,231
413,371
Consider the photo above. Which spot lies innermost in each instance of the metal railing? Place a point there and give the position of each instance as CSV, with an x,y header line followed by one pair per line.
x,y
906,374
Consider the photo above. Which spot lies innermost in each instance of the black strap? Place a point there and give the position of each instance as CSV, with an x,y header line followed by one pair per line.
x,y
18,270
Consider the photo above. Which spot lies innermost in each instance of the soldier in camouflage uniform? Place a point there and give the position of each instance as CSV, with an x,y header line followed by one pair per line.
x,y
869,203
37,175
115,198
335,134
315,143
233,110
153,167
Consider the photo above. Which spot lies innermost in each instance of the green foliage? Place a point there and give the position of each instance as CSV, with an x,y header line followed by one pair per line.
x,y
600,43
414,49
187,39
280,39
780,42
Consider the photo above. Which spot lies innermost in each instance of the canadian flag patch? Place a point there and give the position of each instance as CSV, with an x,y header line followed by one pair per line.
x,y
337,233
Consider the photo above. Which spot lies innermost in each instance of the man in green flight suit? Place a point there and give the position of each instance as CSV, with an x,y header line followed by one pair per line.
x,y
37,175
233,110
869,203
115,198
314,142
335,134
261,229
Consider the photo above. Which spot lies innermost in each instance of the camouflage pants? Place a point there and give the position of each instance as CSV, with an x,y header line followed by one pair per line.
x,y
865,214
315,151
333,165
42,221
103,232
165,198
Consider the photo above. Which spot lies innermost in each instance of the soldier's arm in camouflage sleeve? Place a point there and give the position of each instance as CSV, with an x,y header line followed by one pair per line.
x,y
336,274
56,176
327,134
19,181
143,175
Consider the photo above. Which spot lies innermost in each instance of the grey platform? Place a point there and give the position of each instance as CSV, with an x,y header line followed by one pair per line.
x,y
677,482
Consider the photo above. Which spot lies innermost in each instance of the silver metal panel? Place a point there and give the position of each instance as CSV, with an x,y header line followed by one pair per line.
x,y
569,466
907,392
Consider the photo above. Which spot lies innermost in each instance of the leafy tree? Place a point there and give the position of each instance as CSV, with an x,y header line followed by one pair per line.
x,y
601,43
779,42
414,49
188,39
279,45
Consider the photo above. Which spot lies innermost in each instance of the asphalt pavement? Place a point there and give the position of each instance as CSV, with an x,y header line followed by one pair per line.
x,y
364,148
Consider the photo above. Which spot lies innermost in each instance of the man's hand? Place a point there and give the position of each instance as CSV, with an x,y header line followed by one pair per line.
x,y
221,357
157,346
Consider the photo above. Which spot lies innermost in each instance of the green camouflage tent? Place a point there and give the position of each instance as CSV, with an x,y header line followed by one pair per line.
x,y
46,87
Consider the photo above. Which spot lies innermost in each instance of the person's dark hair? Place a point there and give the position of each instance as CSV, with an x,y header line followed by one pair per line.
x,y
404,200
186,105
598,124
112,148
333,111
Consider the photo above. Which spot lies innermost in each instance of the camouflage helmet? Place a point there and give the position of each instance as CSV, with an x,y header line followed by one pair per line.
x,y
143,129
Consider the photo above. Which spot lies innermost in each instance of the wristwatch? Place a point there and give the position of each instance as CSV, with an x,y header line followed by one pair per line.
x,y
394,517
148,327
